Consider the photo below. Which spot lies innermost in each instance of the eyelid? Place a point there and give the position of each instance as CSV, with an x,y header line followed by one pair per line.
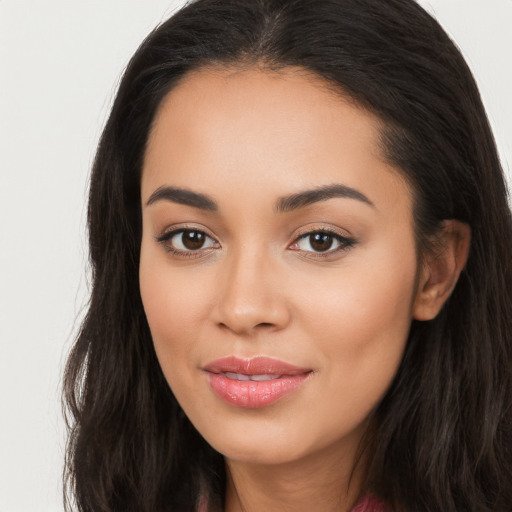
x,y
169,232
342,236
323,228
176,228
345,239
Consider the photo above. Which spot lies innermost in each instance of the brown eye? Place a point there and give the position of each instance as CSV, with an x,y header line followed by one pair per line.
x,y
321,242
182,241
192,240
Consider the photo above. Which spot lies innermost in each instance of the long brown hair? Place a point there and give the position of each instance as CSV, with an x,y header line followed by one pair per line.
x,y
442,435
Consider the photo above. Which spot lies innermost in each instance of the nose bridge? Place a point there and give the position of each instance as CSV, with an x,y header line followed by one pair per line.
x,y
249,294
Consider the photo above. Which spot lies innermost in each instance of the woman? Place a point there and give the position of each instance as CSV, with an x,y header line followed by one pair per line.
x,y
301,251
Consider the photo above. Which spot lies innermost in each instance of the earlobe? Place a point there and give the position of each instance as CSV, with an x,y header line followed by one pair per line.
x,y
441,269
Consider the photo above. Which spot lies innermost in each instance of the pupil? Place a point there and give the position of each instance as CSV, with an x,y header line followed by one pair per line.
x,y
321,241
192,240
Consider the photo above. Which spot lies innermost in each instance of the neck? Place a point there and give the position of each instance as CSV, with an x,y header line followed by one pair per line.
x,y
325,481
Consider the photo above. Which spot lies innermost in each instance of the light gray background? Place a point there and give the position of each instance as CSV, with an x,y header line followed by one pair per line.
x,y
60,61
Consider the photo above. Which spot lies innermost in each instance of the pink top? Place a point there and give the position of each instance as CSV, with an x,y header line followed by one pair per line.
x,y
369,504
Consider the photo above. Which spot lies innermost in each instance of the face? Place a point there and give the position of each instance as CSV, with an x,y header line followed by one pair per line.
x,y
278,263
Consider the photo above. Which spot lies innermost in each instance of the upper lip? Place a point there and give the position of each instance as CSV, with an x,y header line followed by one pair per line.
x,y
254,366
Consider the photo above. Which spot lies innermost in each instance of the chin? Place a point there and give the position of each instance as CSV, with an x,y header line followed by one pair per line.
x,y
261,453
272,441
255,441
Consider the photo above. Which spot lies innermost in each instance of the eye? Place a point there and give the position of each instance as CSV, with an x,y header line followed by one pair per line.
x,y
322,241
183,241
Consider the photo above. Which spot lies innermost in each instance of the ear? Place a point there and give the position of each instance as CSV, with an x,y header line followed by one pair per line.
x,y
441,269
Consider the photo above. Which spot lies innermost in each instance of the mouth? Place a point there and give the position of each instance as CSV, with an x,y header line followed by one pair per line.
x,y
254,383
254,378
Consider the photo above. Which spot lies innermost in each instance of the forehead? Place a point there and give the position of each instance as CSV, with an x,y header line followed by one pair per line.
x,y
250,128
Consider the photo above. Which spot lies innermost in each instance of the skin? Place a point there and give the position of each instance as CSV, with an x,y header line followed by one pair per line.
x,y
246,139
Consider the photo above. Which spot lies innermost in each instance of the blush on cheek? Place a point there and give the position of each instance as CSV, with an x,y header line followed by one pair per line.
x,y
172,313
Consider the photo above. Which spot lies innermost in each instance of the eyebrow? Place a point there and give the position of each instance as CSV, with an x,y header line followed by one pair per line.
x,y
183,196
283,204
307,197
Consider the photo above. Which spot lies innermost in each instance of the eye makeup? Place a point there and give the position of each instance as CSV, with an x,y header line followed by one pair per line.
x,y
317,242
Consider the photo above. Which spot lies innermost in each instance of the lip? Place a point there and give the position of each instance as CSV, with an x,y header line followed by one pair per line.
x,y
276,379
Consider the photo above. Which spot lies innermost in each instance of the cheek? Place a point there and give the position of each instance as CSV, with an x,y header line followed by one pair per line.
x,y
174,307
358,323
367,291
360,319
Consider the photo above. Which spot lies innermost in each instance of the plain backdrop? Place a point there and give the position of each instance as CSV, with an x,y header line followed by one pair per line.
x,y
60,62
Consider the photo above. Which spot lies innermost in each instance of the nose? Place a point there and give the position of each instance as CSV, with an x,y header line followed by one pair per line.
x,y
250,297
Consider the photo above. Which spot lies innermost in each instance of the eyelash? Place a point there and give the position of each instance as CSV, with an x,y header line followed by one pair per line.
x,y
166,237
345,243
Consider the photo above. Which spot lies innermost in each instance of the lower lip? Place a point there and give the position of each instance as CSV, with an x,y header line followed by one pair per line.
x,y
254,394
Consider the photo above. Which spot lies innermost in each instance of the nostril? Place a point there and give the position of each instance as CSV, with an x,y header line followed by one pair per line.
x,y
261,324
264,324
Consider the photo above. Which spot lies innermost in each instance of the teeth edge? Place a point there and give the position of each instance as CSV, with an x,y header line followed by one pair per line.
x,y
256,378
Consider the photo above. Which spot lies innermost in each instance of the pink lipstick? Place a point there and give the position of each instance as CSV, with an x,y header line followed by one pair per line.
x,y
253,383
